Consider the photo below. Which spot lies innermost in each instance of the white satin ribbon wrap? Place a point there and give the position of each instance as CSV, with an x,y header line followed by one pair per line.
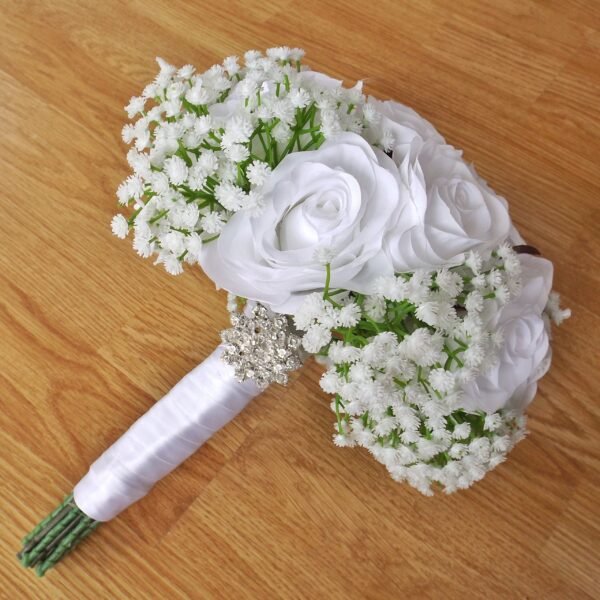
x,y
205,400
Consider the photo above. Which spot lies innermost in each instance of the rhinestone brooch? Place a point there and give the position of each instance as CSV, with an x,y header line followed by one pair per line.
x,y
261,346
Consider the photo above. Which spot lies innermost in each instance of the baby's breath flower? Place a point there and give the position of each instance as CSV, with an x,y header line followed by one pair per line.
x,y
119,226
557,314
142,246
257,172
324,255
237,153
474,261
315,338
474,301
342,353
128,133
193,244
449,282
176,170
492,422
422,347
502,294
330,382
343,441
349,315
230,196
135,106
174,241
374,307
387,140
441,380
172,264
212,222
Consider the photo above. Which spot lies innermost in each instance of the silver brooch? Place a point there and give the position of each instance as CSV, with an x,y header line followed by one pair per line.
x,y
261,346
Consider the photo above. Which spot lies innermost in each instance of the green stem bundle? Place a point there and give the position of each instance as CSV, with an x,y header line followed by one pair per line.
x,y
55,536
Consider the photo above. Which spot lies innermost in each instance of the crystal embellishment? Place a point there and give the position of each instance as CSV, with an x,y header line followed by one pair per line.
x,y
261,346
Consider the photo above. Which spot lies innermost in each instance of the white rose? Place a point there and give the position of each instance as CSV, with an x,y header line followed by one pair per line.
x,y
403,124
339,200
525,353
454,209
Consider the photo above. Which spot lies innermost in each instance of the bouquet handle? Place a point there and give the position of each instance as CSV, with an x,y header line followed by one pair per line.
x,y
203,402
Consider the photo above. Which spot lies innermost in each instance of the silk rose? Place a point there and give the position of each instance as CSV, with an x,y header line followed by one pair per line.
x,y
525,352
398,126
336,202
454,209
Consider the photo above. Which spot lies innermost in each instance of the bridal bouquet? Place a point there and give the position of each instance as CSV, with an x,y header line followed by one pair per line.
x,y
342,227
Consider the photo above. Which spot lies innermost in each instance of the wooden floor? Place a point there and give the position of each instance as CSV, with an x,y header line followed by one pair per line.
x,y
91,335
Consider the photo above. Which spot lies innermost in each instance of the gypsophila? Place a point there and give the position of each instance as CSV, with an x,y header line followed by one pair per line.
x,y
210,140
396,360
119,226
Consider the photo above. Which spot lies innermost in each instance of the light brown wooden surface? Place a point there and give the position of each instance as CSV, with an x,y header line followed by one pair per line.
x,y
91,335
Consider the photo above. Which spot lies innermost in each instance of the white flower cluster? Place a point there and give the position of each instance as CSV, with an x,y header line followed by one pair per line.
x,y
400,358
431,369
204,145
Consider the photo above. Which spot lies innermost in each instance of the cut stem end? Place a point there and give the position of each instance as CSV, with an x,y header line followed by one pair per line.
x,y
55,536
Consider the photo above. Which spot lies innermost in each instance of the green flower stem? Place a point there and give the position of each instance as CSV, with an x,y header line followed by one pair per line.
x,y
302,118
55,536
336,292
83,529
326,294
327,281
338,402
30,559
208,146
134,214
34,535
158,216
262,142
183,154
316,142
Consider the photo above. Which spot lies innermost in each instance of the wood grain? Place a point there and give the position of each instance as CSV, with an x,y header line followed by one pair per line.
x,y
91,335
